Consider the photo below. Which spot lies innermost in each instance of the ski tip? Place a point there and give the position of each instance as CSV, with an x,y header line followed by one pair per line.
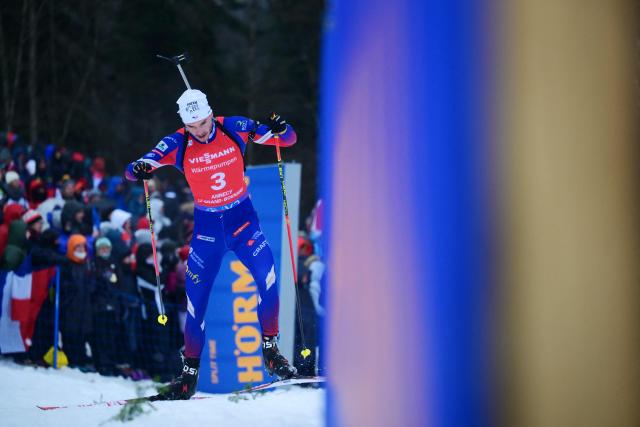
x,y
48,408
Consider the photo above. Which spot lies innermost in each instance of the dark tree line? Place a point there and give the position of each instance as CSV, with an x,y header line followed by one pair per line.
x,y
83,73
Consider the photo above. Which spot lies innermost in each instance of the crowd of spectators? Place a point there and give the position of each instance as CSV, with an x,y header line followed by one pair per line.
x,y
61,208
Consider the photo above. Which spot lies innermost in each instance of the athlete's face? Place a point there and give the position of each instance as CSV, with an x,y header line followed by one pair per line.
x,y
201,129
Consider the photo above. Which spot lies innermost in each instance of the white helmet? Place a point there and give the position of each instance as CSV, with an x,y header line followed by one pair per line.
x,y
193,106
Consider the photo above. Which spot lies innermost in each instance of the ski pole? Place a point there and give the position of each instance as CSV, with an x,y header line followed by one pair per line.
x,y
56,319
162,317
175,60
305,351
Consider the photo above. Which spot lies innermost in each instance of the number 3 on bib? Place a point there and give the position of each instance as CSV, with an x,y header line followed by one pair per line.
x,y
219,182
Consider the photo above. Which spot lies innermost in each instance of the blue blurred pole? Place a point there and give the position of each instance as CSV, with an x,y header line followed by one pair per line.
x,y
55,320
431,221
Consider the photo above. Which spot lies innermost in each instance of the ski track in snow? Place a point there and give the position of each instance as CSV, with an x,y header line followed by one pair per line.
x,y
23,387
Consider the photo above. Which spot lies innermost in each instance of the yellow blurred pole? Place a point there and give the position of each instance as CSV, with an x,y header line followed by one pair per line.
x,y
569,175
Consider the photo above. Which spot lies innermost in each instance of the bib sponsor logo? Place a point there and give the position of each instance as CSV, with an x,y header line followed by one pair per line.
x,y
189,371
193,276
242,227
242,125
194,256
209,158
205,238
162,146
192,107
260,248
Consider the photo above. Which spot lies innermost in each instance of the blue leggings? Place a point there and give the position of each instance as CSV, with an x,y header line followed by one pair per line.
x,y
215,233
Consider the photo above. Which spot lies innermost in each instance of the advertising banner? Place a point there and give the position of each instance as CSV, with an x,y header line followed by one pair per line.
x,y
232,355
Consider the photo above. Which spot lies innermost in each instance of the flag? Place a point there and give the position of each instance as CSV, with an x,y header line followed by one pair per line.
x,y
23,292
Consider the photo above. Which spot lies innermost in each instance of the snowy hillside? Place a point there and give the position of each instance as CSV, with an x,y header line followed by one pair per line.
x,y
22,388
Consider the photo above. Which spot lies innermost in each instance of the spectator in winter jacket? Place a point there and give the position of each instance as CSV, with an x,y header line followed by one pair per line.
x,y
14,189
107,313
51,210
34,222
160,221
310,272
44,249
121,221
174,281
116,191
36,193
10,213
16,249
76,287
67,190
162,359
97,170
73,219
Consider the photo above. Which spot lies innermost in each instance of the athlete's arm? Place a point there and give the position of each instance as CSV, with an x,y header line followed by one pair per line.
x,y
165,153
243,126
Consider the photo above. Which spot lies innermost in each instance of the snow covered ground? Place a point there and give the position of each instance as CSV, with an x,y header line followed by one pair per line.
x,y
22,388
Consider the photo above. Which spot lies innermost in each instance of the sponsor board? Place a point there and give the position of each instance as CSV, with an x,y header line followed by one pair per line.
x,y
232,355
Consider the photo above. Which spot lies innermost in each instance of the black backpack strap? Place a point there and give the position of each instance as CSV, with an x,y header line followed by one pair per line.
x,y
185,141
219,126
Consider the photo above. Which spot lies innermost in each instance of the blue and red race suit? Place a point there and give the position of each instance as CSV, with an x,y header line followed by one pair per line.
x,y
224,217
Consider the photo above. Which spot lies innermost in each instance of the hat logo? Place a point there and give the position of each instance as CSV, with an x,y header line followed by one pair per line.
x,y
192,107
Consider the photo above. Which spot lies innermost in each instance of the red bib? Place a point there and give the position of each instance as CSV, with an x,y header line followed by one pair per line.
x,y
214,171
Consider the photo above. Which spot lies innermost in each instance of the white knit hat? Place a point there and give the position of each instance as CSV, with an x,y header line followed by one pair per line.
x,y
193,106
142,236
11,176
31,167
118,217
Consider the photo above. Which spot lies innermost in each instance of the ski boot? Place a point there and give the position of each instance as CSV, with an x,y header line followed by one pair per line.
x,y
274,362
184,386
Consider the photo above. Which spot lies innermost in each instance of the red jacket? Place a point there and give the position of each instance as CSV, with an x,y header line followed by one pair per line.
x,y
11,212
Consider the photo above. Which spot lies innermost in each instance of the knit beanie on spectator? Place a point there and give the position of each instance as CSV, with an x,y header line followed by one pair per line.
x,y
37,193
183,253
103,241
98,166
12,212
118,217
75,240
30,166
31,216
143,223
11,176
143,236
105,227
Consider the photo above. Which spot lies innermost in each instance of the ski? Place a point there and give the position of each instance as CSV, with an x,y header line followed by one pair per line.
x,y
282,383
254,389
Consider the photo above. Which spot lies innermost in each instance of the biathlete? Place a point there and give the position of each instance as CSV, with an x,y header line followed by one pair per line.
x,y
209,152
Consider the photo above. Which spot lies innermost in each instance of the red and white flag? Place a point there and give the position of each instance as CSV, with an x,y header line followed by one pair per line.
x,y
23,292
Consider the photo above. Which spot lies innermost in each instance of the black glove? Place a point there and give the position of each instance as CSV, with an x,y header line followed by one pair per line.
x,y
276,123
142,170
